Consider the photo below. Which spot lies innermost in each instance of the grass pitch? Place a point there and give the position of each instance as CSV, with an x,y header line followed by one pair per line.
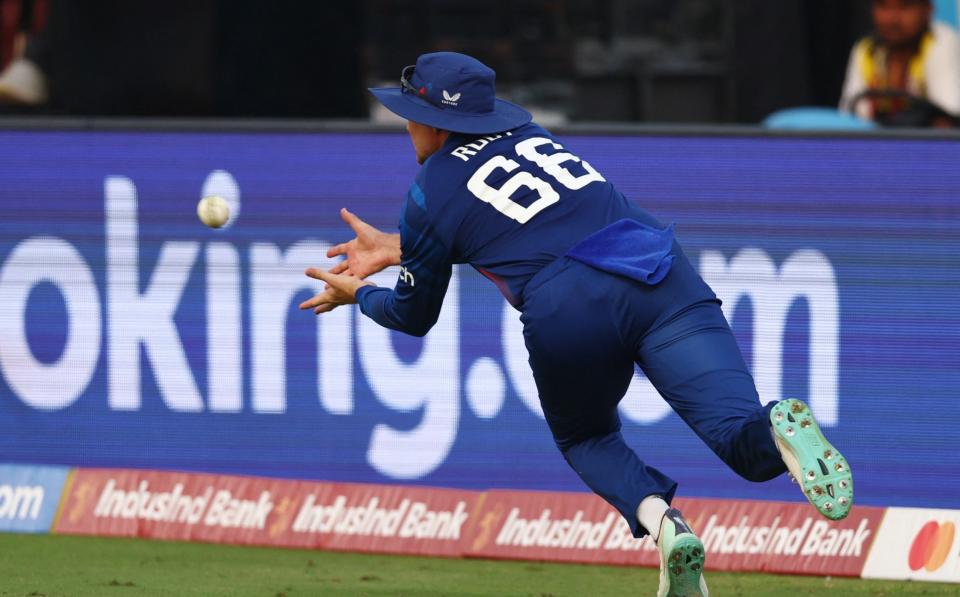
x,y
55,566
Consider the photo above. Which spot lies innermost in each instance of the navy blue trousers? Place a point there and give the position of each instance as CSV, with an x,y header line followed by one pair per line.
x,y
585,329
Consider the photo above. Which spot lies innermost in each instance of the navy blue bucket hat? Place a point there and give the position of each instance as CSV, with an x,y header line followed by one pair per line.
x,y
453,92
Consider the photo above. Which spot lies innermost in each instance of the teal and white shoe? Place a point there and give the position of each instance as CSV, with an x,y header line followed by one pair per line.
x,y
681,558
821,471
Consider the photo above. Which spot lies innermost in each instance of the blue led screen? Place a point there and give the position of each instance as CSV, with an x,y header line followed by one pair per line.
x,y
133,336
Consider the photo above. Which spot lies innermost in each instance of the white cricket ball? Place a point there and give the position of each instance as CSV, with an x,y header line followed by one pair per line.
x,y
213,211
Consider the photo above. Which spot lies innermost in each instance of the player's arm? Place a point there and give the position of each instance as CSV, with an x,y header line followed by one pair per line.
x,y
413,306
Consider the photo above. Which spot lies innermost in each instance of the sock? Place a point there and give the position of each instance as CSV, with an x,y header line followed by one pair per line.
x,y
650,514
793,467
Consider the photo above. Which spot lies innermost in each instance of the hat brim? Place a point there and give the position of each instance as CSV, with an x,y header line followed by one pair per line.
x,y
504,117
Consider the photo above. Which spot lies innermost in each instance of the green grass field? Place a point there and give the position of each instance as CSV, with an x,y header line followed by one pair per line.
x,y
41,565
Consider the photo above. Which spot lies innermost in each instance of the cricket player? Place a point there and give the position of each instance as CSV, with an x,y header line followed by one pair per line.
x,y
601,285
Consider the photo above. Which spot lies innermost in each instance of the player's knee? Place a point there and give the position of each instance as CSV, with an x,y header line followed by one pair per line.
x,y
758,476
753,471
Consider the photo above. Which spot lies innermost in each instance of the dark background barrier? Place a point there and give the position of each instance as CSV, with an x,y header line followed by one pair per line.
x,y
132,336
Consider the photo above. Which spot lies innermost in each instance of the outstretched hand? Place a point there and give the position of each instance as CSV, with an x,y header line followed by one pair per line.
x,y
369,252
341,290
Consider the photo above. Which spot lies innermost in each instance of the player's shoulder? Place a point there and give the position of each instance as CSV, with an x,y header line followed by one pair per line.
x,y
464,153
445,174
434,181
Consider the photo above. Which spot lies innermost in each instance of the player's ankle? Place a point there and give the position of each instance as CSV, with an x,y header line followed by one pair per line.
x,y
650,514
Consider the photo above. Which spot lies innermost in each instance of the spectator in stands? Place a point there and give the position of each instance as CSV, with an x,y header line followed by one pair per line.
x,y
907,72
22,81
118,58
190,58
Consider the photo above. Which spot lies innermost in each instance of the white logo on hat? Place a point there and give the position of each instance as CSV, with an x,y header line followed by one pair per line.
x,y
450,99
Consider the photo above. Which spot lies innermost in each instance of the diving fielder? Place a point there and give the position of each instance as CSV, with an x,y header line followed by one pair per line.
x,y
600,284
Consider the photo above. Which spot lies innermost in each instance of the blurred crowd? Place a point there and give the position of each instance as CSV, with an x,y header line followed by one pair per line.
x,y
716,61
182,58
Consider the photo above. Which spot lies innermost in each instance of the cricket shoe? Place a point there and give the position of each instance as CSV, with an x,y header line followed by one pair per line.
x,y
681,558
821,471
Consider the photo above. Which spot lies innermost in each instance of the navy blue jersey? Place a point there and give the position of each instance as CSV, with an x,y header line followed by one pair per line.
x,y
508,204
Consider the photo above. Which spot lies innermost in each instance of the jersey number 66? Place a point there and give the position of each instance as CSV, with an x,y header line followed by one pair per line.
x,y
550,164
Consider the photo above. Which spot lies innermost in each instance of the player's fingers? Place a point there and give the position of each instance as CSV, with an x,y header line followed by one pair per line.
x,y
335,250
319,274
339,268
352,220
326,308
339,282
310,303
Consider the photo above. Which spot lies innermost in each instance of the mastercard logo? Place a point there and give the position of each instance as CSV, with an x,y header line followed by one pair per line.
x,y
931,546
